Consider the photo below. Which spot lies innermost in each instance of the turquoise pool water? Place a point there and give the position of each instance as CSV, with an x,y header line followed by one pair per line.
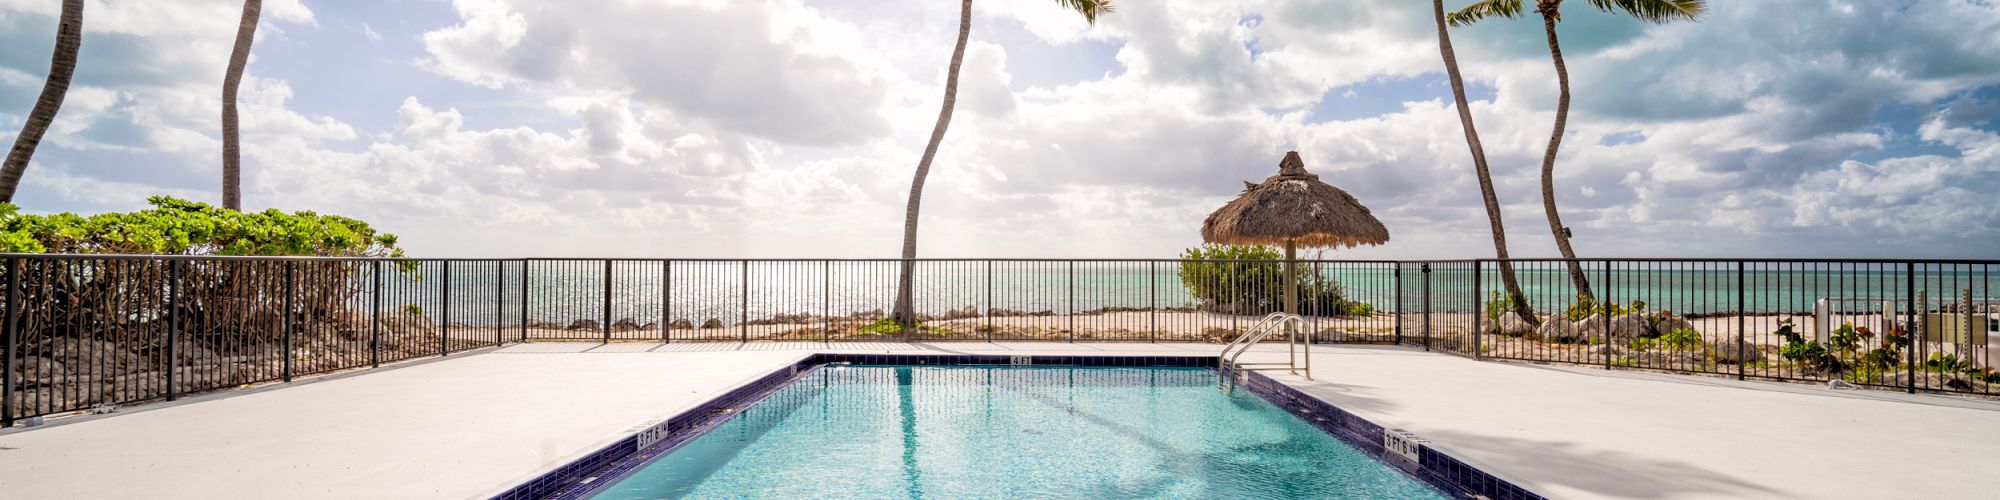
x,y
1012,432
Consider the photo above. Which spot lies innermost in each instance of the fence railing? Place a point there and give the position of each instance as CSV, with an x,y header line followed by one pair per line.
x,y
82,332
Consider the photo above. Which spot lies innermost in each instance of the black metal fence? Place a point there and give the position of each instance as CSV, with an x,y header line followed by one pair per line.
x,y
1901,325
85,332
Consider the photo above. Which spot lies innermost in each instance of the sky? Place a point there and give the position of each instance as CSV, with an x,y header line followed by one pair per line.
x,y
791,128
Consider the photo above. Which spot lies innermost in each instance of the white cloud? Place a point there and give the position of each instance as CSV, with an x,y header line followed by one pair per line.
x,y
787,128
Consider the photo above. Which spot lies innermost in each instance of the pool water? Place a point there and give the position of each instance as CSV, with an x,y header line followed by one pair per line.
x,y
1009,432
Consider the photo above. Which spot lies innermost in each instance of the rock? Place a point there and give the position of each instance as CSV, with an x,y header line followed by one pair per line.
x,y
1558,329
1511,324
873,314
711,323
1630,326
1591,327
649,326
1737,351
544,325
625,324
681,323
962,313
582,324
1671,323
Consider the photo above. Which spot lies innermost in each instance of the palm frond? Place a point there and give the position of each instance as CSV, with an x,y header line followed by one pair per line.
x,y
1089,8
1484,9
1655,11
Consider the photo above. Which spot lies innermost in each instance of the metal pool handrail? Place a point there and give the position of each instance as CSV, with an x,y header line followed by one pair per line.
x,y
1226,361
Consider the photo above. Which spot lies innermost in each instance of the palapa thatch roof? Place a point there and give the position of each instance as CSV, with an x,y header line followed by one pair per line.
x,y
1294,205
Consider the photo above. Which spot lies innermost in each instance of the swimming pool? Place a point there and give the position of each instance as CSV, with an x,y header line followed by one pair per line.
x,y
865,431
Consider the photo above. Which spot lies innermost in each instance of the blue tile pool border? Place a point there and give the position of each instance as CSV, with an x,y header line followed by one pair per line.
x,y
587,475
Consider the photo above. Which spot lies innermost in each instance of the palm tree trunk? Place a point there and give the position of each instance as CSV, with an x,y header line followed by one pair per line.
x,y
232,148
1492,200
1549,16
62,65
905,311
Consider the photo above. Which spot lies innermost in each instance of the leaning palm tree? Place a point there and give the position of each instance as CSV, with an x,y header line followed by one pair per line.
x,y
905,313
69,40
232,147
1518,301
1652,11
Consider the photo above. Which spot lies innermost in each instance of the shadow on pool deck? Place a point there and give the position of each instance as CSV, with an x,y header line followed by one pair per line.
x,y
1609,473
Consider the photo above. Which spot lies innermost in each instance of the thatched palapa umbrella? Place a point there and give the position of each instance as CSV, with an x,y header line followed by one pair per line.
x,y
1294,209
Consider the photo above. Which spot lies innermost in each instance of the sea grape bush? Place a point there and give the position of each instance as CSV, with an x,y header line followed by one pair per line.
x,y
181,227
1255,282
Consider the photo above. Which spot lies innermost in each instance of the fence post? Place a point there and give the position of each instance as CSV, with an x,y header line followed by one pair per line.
x,y
826,302
743,305
173,324
13,332
605,316
1070,311
1478,316
667,302
1604,302
375,327
1396,275
444,311
500,304
1742,326
524,300
1427,306
1910,329
1153,302
286,324
989,301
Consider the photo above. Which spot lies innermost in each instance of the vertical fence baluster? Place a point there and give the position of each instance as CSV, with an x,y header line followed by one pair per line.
x,y
666,300
1427,306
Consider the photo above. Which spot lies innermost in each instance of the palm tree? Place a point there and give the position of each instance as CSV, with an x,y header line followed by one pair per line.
x,y
905,313
1518,300
69,40
232,147
1652,11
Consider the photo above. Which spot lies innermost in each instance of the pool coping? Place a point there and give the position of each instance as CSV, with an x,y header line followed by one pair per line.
x,y
591,472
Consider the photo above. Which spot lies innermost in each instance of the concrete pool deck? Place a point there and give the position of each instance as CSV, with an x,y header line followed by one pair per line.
x,y
475,425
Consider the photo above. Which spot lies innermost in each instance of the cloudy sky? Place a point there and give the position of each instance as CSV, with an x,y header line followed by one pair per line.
x,y
790,128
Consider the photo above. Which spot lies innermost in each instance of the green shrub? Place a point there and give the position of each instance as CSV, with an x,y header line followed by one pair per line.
x,y
180,227
1585,306
1498,305
1681,339
1252,281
